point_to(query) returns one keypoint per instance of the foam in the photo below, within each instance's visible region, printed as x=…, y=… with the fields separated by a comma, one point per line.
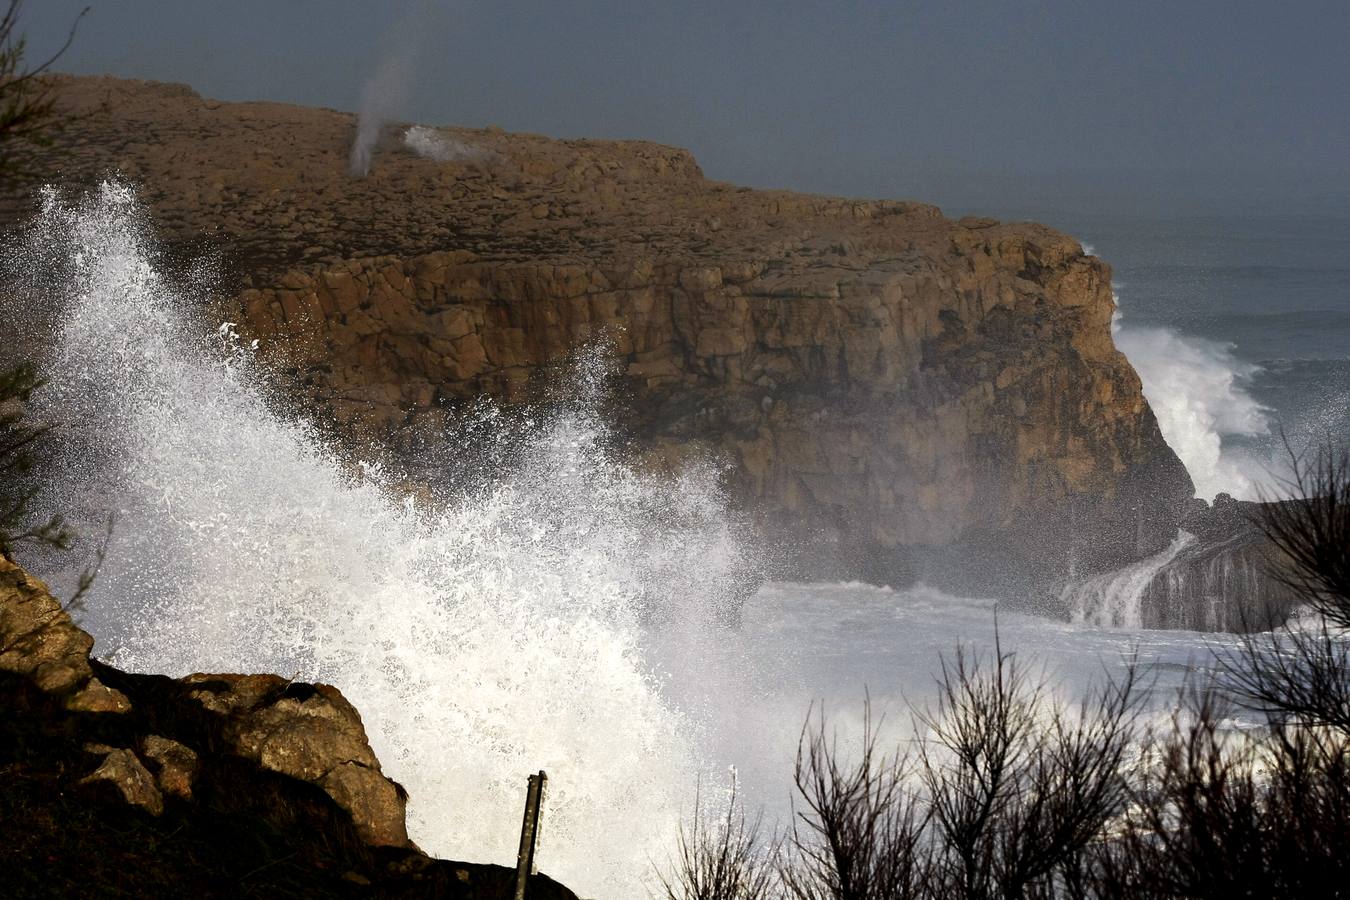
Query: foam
x=498, y=628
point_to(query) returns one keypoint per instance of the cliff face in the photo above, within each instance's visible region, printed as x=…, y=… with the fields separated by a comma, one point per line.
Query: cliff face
x=881, y=379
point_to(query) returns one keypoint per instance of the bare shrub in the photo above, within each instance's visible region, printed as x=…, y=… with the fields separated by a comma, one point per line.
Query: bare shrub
x=727, y=859
x=1312, y=531
x=27, y=101
x=1019, y=783
x=22, y=440
x=1260, y=811
x=1301, y=673
x=1222, y=813
x=861, y=833
x=1002, y=799
x=1013, y=794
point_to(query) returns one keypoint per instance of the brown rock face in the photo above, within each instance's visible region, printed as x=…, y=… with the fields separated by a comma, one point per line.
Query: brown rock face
x=123, y=770
x=879, y=377
x=176, y=765
x=39, y=642
x=211, y=785
x=307, y=732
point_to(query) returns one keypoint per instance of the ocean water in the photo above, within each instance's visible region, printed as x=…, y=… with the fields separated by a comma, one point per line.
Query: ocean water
x=561, y=610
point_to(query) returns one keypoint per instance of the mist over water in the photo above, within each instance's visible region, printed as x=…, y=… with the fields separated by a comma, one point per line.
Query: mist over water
x=1239, y=326
x=483, y=634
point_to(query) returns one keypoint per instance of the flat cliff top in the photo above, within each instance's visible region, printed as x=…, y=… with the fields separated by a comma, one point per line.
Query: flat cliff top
x=269, y=183
x=873, y=371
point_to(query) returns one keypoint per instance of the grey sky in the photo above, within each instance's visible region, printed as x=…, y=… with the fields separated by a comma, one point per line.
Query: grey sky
x=969, y=103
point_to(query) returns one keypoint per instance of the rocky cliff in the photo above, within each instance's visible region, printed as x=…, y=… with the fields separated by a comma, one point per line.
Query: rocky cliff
x=885, y=383
x=113, y=784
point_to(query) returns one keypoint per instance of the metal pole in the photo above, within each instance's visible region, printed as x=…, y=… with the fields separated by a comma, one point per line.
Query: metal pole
x=529, y=832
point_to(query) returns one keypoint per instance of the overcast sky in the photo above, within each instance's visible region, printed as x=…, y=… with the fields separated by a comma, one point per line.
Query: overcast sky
x=1001, y=104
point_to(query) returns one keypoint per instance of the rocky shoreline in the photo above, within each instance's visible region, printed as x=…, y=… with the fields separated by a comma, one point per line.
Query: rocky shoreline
x=119, y=784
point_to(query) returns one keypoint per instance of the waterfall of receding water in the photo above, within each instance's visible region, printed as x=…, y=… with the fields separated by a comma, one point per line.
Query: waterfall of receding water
x=1116, y=599
x=483, y=635
x=1225, y=588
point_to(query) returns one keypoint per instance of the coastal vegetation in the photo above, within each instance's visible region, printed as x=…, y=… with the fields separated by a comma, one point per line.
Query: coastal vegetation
x=27, y=100
x=27, y=116
x=21, y=445
x=1243, y=792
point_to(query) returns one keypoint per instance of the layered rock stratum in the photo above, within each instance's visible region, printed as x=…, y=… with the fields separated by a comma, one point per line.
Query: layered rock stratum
x=886, y=385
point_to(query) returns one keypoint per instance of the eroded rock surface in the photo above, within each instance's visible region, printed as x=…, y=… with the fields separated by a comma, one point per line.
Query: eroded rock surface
x=178, y=787
x=1221, y=574
x=878, y=376
x=39, y=642
x=1227, y=579
x=311, y=733
x=307, y=732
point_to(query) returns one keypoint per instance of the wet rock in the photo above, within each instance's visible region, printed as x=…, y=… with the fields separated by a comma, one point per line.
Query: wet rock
x=1227, y=579
x=1220, y=574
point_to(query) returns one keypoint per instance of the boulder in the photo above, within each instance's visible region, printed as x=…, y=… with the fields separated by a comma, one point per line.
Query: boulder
x=40, y=642
x=175, y=764
x=311, y=733
x=124, y=771
x=306, y=732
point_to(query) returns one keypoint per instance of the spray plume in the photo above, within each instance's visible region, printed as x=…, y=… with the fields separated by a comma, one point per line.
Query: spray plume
x=384, y=96
x=495, y=629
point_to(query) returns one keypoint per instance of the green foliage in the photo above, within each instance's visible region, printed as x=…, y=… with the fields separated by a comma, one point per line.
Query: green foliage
x=21, y=443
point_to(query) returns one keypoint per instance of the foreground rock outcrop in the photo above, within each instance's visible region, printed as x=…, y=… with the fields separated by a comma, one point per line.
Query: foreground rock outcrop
x=888, y=386
x=219, y=785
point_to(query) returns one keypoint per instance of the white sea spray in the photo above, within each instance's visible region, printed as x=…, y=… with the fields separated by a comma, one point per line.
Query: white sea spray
x=483, y=634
